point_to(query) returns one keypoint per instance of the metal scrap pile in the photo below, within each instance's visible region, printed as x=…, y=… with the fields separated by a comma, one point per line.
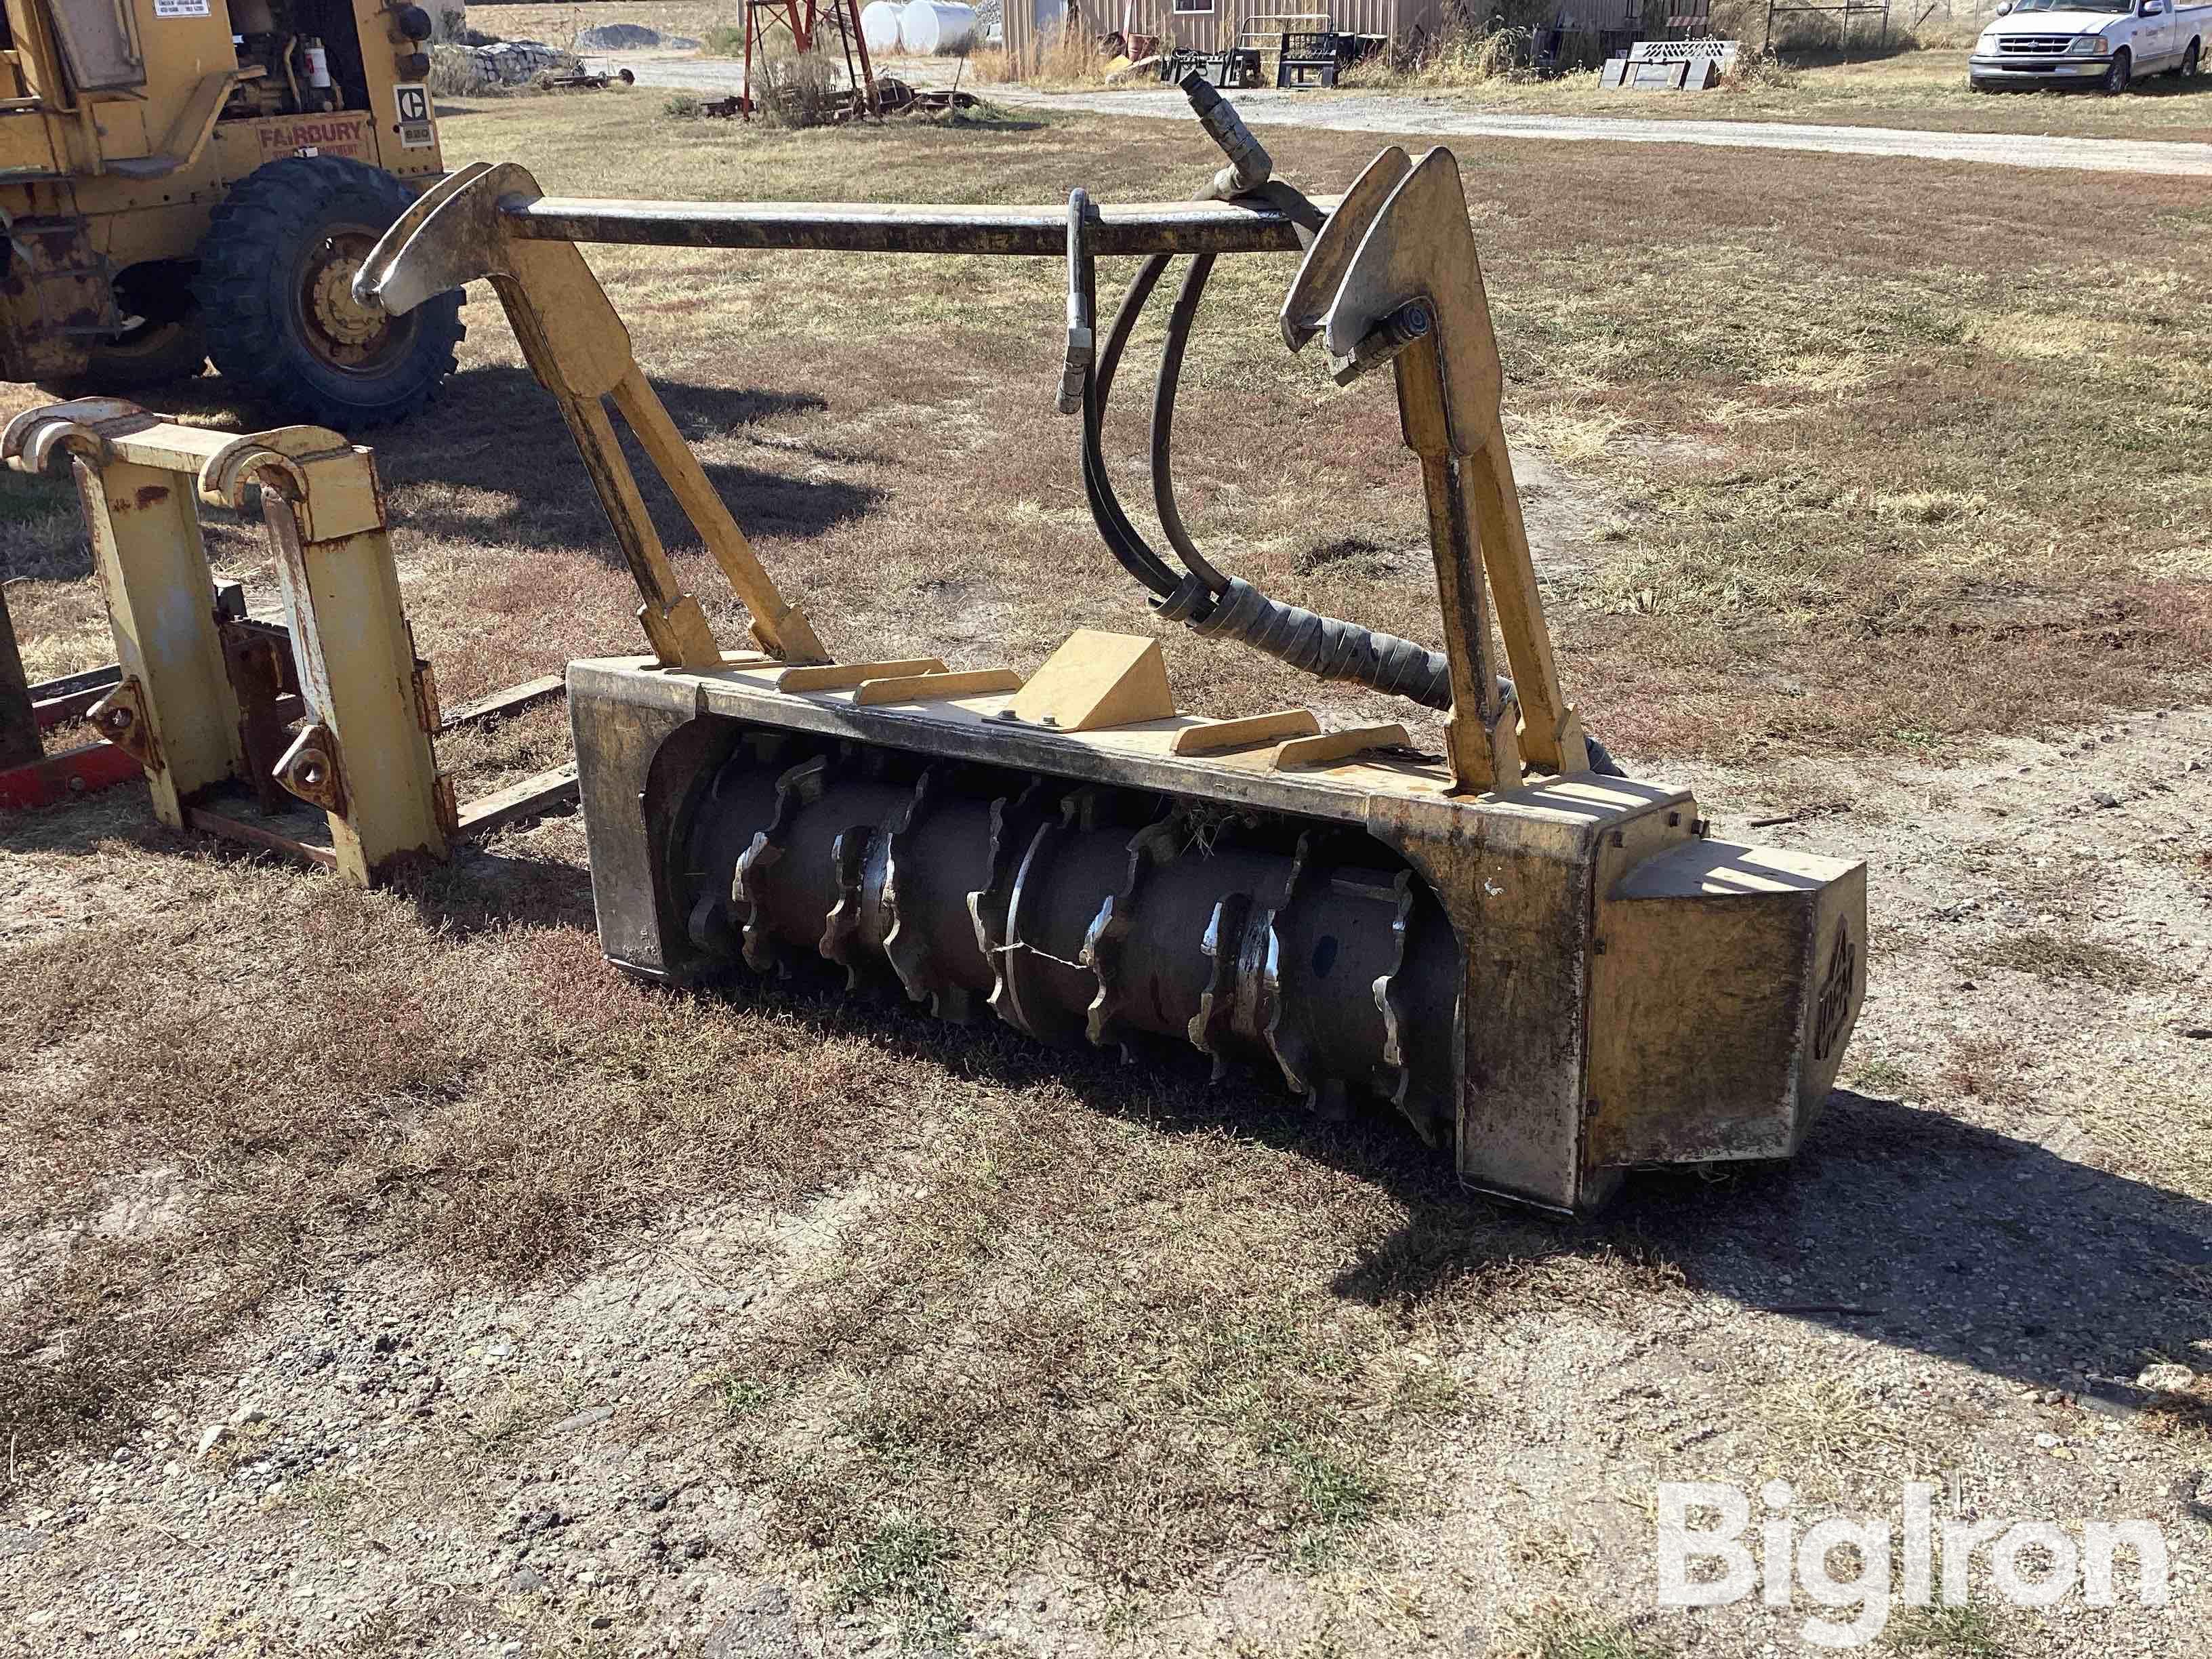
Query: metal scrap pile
x=511, y=62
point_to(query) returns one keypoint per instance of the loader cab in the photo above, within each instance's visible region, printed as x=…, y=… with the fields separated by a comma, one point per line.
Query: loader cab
x=191, y=180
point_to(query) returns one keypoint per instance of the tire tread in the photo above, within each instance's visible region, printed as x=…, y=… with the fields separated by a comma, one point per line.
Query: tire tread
x=253, y=229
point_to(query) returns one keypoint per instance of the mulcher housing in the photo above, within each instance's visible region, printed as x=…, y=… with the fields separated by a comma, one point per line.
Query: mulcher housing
x=1554, y=983
x=1548, y=970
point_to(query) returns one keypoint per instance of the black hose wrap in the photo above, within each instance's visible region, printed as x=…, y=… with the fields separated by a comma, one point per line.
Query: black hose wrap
x=1327, y=648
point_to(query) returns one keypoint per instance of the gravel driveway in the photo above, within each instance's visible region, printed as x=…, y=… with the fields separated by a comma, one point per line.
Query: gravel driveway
x=1383, y=112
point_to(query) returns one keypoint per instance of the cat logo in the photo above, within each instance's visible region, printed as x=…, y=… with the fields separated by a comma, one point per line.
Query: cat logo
x=412, y=100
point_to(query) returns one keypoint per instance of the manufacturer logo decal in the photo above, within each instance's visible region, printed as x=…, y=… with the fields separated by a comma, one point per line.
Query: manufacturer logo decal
x=412, y=100
x=1835, y=1005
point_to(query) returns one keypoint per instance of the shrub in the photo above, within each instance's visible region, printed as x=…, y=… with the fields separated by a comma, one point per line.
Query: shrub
x=1755, y=70
x=452, y=73
x=796, y=90
x=1475, y=44
x=1068, y=58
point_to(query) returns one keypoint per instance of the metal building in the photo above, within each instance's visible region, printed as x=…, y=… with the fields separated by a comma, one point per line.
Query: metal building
x=1217, y=25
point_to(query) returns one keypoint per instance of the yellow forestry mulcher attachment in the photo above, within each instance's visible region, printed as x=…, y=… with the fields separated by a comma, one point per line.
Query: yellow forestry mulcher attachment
x=1550, y=970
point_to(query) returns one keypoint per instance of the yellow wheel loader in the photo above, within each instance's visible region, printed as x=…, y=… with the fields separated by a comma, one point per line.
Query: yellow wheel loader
x=184, y=180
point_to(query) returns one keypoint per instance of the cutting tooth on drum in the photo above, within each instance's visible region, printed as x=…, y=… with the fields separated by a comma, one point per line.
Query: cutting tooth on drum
x=1104, y=945
x=1015, y=822
x=1209, y=1029
x=849, y=856
x=1393, y=1078
x=906, y=948
x=748, y=893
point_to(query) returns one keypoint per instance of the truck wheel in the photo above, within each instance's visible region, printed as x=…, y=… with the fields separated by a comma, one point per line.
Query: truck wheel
x=2116, y=78
x=2188, y=69
x=162, y=341
x=275, y=290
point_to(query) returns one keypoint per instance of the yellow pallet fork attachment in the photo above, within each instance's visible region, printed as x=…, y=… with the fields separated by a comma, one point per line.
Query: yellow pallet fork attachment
x=312, y=734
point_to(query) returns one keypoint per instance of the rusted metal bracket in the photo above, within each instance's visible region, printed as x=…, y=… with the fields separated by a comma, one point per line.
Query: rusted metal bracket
x=209, y=698
x=120, y=717
x=310, y=770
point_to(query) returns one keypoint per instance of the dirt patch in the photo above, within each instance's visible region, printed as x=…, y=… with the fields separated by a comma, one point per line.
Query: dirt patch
x=1070, y=1359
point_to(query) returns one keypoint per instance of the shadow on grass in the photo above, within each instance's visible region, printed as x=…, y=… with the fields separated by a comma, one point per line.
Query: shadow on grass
x=484, y=890
x=1898, y=1223
x=90, y=823
x=1809, y=51
x=494, y=431
x=986, y=116
x=2156, y=85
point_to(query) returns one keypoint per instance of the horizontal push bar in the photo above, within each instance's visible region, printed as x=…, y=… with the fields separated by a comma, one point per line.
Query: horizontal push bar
x=1133, y=228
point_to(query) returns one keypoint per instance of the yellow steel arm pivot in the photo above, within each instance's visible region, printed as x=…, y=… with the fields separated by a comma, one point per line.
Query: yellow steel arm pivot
x=580, y=351
x=1394, y=278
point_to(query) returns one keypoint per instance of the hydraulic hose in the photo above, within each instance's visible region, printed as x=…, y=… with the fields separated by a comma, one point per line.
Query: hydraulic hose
x=1096, y=377
x=1164, y=402
x=1216, y=605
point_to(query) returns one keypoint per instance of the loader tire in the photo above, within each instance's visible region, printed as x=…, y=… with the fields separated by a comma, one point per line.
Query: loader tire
x=164, y=340
x=275, y=297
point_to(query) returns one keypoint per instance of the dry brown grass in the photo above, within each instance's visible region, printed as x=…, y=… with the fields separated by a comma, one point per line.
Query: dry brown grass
x=1458, y=55
x=1556, y=1631
x=1925, y=87
x=2063, y=957
x=1070, y=59
x=559, y=21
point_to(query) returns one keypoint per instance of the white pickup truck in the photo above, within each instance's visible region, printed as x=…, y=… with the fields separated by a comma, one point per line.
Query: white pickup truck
x=2100, y=43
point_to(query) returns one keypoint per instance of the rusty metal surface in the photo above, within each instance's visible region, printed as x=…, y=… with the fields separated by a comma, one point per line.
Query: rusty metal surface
x=56, y=298
x=874, y=227
x=256, y=658
x=120, y=717
x=52, y=779
x=211, y=822
x=309, y=768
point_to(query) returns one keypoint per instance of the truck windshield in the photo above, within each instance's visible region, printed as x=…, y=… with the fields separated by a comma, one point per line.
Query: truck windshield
x=2114, y=7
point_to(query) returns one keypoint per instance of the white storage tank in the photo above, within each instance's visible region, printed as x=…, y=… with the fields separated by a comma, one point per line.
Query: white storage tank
x=879, y=25
x=928, y=26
